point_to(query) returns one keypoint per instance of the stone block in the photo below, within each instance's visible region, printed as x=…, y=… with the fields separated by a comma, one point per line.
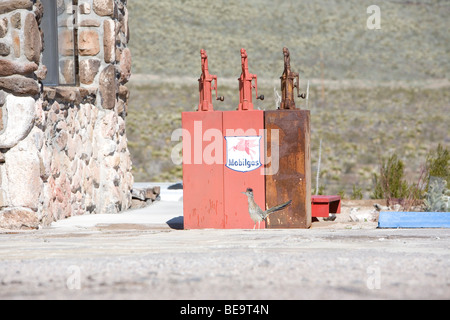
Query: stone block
x=23, y=183
x=7, y=6
x=19, y=85
x=18, y=218
x=103, y=7
x=107, y=87
x=125, y=66
x=109, y=36
x=10, y=67
x=67, y=68
x=90, y=23
x=20, y=121
x=88, y=43
x=4, y=49
x=88, y=70
x=16, y=20
x=85, y=8
x=65, y=41
x=3, y=27
x=33, y=41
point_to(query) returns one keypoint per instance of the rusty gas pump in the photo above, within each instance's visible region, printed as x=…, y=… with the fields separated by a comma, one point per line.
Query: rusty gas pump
x=205, y=86
x=245, y=85
x=291, y=179
x=288, y=84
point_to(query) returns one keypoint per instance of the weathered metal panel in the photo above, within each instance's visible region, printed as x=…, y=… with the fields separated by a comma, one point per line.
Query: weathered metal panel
x=242, y=124
x=292, y=181
x=202, y=177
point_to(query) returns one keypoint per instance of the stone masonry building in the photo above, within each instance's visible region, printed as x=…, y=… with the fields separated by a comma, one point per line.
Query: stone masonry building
x=63, y=103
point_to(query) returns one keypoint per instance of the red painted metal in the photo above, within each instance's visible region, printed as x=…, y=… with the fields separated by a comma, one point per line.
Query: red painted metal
x=242, y=124
x=202, y=176
x=322, y=206
x=202, y=182
x=205, y=86
x=245, y=85
x=212, y=195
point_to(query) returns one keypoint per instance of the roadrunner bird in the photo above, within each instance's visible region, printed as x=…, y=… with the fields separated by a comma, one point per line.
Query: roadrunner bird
x=256, y=212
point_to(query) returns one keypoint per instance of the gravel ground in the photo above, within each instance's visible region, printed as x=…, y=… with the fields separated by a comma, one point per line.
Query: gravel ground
x=127, y=261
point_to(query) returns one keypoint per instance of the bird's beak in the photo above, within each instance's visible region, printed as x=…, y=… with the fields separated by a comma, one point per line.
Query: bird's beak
x=243, y=192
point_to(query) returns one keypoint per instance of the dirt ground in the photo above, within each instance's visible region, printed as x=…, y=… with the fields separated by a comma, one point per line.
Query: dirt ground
x=332, y=260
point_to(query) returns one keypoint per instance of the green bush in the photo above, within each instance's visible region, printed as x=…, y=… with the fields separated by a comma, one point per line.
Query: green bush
x=438, y=179
x=438, y=164
x=356, y=193
x=390, y=183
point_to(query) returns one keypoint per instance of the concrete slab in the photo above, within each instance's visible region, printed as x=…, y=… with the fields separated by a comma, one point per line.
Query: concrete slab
x=166, y=213
x=160, y=214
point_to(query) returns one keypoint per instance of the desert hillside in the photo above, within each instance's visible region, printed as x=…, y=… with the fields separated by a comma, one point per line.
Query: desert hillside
x=372, y=92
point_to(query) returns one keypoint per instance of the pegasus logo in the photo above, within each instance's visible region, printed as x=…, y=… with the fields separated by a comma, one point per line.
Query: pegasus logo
x=251, y=147
x=243, y=153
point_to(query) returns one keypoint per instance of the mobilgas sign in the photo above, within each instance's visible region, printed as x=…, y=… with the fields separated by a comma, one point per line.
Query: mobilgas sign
x=243, y=153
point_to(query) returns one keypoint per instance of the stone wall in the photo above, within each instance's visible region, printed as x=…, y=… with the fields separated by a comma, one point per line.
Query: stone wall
x=63, y=150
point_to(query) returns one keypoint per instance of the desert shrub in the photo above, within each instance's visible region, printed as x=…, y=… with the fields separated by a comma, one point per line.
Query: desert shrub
x=431, y=186
x=356, y=193
x=438, y=180
x=438, y=164
x=390, y=183
x=341, y=193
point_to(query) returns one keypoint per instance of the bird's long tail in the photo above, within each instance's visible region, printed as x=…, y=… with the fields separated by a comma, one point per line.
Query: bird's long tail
x=276, y=208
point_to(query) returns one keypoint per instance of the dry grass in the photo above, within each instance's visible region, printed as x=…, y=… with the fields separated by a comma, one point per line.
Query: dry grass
x=413, y=43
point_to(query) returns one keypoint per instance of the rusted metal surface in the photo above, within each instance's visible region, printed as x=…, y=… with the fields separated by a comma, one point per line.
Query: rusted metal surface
x=289, y=81
x=245, y=85
x=205, y=86
x=292, y=181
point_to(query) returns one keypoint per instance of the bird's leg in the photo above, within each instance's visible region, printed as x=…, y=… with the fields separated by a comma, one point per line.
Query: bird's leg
x=254, y=226
x=259, y=225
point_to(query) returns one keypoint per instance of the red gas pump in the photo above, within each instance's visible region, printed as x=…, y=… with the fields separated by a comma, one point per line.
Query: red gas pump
x=223, y=154
x=243, y=153
x=203, y=177
x=205, y=85
x=245, y=85
x=212, y=190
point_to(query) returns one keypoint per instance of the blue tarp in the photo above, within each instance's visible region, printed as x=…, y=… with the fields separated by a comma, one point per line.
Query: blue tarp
x=394, y=219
